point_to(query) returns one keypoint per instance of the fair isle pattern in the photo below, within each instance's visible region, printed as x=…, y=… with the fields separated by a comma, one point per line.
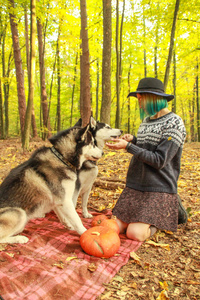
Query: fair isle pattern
x=170, y=127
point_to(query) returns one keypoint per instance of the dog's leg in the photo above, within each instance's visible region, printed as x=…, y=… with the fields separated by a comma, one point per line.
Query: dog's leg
x=66, y=211
x=12, y=221
x=75, y=196
x=69, y=217
x=87, y=180
x=85, y=197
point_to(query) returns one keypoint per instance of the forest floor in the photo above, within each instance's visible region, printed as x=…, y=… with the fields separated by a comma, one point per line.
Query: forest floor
x=168, y=265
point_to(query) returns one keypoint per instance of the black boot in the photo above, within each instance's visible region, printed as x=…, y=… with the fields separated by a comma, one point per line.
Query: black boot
x=182, y=213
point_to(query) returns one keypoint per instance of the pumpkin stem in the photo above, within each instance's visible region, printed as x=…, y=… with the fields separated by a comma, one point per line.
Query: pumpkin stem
x=95, y=233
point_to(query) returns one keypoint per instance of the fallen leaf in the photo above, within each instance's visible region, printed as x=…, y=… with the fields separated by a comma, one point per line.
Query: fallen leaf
x=133, y=285
x=192, y=282
x=10, y=254
x=59, y=265
x=163, y=296
x=92, y=267
x=134, y=256
x=165, y=246
x=71, y=258
x=164, y=285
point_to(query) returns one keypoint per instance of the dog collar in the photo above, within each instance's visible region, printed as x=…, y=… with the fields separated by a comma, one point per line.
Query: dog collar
x=60, y=156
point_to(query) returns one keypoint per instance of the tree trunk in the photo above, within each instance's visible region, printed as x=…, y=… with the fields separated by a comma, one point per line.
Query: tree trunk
x=19, y=70
x=174, y=84
x=73, y=88
x=85, y=105
x=58, y=80
x=198, y=105
x=129, y=104
x=33, y=121
x=171, y=46
x=44, y=102
x=26, y=135
x=1, y=112
x=117, y=120
x=106, y=62
x=144, y=43
x=97, y=91
x=156, y=47
x=6, y=85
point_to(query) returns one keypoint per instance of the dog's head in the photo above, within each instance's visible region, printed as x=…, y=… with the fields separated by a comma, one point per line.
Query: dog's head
x=86, y=142
x=101, y=132
x=77, y=144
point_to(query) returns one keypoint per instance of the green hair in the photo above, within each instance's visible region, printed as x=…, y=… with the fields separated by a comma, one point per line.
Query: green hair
x=152, y=105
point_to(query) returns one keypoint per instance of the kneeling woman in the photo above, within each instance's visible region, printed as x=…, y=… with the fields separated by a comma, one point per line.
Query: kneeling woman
x=150, y=200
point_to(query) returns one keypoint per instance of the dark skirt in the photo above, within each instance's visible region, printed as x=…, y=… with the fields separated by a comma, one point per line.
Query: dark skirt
x=157, y=209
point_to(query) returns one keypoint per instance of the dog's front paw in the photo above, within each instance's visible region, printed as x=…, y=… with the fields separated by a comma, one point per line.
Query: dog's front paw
x=20, y=239
x=87, y=215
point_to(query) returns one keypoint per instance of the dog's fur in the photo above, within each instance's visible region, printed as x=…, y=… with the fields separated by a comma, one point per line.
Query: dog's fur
x=88, y=172
x=46, y=182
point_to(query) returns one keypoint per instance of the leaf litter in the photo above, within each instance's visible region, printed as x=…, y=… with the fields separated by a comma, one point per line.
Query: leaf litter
x=167, y=266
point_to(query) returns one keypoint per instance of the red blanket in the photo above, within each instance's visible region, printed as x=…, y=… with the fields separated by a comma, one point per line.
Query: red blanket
x=52, y=264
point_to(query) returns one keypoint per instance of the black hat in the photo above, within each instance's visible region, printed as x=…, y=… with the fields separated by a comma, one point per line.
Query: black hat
x=152, y=86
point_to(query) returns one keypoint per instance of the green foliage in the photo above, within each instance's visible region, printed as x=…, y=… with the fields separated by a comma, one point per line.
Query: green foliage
x=147, y=25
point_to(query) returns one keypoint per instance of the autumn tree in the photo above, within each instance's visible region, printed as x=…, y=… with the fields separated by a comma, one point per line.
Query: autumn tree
x=85, y=105
x=18, y=67
x=171, y=46
x=25, y=140
x=106, y=62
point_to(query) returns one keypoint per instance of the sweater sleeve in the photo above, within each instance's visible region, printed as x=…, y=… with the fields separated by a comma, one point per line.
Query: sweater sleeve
x=158, y=159
x=173, y=136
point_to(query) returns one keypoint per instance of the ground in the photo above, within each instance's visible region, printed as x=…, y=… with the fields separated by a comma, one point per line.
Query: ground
x=167, y=266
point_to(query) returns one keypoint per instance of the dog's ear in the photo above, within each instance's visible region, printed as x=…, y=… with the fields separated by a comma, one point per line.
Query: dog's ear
x=92, y=123
x=79, y=123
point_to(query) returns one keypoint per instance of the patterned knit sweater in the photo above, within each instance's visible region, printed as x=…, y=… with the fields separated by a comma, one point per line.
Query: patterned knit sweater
x=155, y=165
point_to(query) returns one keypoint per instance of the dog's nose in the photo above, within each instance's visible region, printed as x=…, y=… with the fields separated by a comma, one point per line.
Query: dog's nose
x=121, y=131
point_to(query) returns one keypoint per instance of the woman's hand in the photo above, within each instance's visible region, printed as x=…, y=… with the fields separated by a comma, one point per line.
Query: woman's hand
x=127, y=137
x=120, y=144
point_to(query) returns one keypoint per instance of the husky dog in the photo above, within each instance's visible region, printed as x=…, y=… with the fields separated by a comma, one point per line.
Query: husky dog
x=46, y=182
x=89, y=170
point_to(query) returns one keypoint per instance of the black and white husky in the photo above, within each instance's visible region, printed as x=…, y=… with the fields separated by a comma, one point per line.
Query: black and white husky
x=46, y=182
x=89, y=170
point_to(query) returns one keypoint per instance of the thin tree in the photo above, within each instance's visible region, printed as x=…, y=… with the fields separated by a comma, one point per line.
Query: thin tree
x=85, y=105
x=144, y=43
x=58, y=82
x=197, y=101
x=73, y=88
x=171, y=46
x=117, y=120
x=43, y=92
x=18, y=67
x=174, y=83
x=25, y=141
x=106, y=62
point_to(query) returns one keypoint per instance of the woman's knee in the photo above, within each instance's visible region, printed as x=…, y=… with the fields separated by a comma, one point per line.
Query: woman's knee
x=137, y=232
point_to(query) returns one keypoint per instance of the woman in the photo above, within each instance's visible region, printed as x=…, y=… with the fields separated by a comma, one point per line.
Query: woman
x=150, y=201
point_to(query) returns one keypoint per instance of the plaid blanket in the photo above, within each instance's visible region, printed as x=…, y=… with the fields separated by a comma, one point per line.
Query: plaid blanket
x=52, y=264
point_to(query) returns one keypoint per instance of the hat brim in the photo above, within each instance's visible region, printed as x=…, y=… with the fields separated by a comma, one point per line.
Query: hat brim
x=166, y=96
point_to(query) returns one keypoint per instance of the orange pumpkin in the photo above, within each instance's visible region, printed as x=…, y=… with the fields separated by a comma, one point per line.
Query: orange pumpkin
x=111, y=224
x=98, y=219
x=100, y=241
